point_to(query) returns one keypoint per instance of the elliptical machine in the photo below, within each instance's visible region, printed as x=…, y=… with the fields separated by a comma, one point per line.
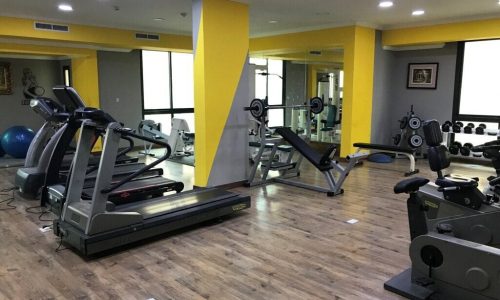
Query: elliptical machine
x=453, y=256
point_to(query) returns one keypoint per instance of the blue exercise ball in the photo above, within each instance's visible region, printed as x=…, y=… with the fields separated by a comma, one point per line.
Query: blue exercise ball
x=16, y=140
x=2, y=153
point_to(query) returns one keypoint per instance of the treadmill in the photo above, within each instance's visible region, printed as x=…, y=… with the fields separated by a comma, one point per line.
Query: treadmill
x=30, y=178
x=149, y=182
x=93, y=226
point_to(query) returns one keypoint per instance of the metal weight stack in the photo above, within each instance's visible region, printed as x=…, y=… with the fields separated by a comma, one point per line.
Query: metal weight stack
x=410, y=135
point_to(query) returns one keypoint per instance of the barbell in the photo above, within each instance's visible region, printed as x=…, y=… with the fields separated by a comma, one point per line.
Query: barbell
x=258, y=107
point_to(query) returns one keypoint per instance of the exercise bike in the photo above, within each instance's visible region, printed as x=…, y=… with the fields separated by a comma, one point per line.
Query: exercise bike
x=491, y=150
x=454, y=253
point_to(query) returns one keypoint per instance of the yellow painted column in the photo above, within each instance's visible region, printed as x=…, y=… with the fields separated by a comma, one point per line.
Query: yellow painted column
x=220, y=42
x=359, y=59
x=312, y=78
x=85, y=78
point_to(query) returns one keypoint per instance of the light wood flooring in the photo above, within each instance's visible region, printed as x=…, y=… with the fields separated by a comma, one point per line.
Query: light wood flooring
x=292, y=244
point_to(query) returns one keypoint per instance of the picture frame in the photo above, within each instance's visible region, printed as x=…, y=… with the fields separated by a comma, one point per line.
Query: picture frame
x=422, y=75
x=5, y=79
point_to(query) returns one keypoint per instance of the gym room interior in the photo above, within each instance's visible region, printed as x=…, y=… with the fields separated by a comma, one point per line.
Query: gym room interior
x=253, y=149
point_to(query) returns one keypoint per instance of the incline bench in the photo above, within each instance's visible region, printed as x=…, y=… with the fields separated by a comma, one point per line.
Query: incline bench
x=410, y=153
x=322, y=162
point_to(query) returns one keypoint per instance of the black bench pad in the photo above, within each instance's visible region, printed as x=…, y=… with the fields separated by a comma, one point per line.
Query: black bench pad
x=384, y=148
x=317, y=159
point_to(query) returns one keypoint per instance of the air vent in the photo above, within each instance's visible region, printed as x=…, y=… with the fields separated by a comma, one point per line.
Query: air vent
x=315, y=52
x=51, y=27
x=147, y=36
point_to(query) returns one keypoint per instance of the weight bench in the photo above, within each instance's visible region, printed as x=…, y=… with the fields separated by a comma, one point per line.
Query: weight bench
x=322, y=162
x=410, y=153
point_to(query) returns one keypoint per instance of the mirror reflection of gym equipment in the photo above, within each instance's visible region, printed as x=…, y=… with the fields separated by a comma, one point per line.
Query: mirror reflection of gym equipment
x=328, y=123
x=180, y=139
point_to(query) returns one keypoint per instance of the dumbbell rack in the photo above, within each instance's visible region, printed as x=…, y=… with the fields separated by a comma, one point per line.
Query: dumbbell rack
x=448, y=138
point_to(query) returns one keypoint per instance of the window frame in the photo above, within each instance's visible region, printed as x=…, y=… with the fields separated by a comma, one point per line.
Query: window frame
x=456, y=116
x=162, y=111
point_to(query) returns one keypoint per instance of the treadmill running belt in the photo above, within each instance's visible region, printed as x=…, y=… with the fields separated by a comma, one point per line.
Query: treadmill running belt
x=170, y=204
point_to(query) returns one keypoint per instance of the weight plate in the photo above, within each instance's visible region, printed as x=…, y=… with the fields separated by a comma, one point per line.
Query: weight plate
x=403, y=122
x=414, y=123
x=397, y=139
x=257, y=108
x=316, y=105
x=415, y=141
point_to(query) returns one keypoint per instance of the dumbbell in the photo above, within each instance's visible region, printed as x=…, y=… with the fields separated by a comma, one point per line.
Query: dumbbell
x=455, y=148
x=480, y=128
x=465, y=150
x=457, y=127
x=468, y=128
x=446, y=126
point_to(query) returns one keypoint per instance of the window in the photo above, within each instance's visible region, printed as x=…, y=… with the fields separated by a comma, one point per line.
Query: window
x=182, y=80
x=156, y=79
x=477, y=92
x=168, y=87
x=67, y=75
x=269, y=83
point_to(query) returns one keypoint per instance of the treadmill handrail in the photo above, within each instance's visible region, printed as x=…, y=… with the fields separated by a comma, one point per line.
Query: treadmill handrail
x=122, y=152
x=127, y=132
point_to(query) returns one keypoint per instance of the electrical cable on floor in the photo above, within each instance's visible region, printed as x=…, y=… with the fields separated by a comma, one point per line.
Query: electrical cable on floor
x=11, y=192
x=59, y=249
x=41, y=212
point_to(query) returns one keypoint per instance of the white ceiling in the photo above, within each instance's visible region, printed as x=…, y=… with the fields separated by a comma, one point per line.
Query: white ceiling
x=292, y=15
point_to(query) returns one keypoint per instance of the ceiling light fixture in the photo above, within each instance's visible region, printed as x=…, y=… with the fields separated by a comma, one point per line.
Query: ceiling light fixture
x=65, y=7
x=159, y=19
x=273, y=22
x=385, y=4
x=418, y=12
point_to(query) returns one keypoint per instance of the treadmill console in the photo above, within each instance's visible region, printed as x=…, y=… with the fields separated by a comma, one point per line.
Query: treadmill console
x=68, y=97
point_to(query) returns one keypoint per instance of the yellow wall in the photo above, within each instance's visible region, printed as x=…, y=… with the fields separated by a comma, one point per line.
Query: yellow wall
x=221, y=53
x=358, y=89
x=359, y=55
x=452, y=32
x=92, y=35
x=84, y=74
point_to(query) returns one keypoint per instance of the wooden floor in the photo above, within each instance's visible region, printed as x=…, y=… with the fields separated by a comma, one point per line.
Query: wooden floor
x=292, y=244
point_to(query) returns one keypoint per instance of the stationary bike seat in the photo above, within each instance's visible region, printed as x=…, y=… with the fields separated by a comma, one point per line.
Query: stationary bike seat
x=410, y=185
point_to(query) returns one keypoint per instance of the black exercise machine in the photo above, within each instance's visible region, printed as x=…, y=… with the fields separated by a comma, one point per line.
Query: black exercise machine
x=152, y=183
x=454, y=234
x=92, y=226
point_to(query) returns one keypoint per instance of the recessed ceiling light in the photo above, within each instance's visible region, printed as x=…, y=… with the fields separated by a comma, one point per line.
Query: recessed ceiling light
x=159, y=19
x=385, y=4
x=65, y=7
x=418, y=12
x=273, y=22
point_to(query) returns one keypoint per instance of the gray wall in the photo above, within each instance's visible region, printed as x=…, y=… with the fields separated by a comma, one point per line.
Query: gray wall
x=382, y=99
x=120, y=85
x=392, y=99
x=295, y=86
x=12, y=112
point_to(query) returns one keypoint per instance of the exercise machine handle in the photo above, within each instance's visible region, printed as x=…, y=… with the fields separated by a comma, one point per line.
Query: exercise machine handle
x=129, y=132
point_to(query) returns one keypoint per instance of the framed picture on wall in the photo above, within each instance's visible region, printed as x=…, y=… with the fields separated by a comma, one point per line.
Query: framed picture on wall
x=5, y=79
x=422, y=76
